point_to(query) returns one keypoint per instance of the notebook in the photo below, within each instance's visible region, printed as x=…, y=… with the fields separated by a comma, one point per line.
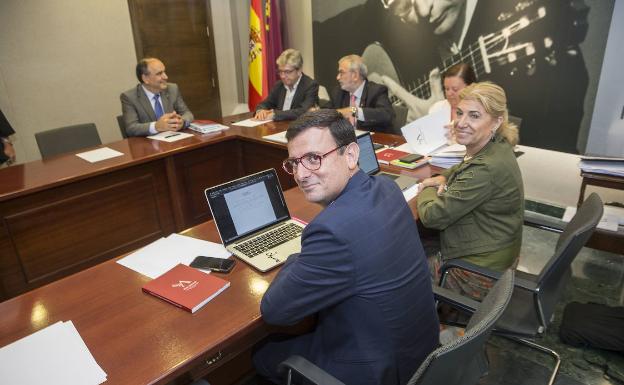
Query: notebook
x=253, y=221
x=369, y=164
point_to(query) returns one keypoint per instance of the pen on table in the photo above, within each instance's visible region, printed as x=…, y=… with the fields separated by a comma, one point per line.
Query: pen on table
x=169, y=136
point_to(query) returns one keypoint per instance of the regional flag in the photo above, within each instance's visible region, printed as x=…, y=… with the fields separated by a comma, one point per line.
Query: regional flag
x=258, y=70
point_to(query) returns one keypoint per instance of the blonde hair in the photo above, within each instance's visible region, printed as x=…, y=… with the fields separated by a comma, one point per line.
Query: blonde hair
x=290, y=57
x=494, y=101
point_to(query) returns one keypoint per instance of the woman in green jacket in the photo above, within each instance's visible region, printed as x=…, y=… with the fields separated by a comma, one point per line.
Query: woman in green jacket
x=477, y=205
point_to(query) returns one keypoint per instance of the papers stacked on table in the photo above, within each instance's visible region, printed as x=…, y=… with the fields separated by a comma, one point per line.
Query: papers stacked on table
x=165, y=253
x=602, y=165
x=448, y=156
x=207, y=126
x=53, y=355
x=99, y=154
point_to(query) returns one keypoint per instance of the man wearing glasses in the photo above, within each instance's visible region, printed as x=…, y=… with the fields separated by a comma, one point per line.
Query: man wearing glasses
x=361, y=271
x=293, y=94
x=363, y=102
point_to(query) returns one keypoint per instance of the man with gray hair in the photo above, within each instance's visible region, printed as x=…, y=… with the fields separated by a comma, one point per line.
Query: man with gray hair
x=363, y=102
x=293, y=94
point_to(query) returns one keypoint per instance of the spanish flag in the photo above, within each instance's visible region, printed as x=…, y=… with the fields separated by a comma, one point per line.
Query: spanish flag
x=258, y=69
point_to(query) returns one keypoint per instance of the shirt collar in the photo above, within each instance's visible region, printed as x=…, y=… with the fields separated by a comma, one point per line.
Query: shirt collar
x=294, y=88
x=358, y=92
x=148, y=93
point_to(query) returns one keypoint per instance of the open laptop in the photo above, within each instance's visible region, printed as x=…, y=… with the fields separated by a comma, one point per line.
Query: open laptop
x=368, y=163
x=253, y=221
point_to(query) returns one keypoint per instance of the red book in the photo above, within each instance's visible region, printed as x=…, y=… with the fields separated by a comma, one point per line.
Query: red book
x=186, y=287
x=390, y=154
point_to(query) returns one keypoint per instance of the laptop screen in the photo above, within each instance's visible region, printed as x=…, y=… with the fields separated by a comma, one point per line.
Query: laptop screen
x=368, y=158
x=246, y=205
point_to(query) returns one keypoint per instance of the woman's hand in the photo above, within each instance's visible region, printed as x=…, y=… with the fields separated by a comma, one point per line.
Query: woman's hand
x=436, y=181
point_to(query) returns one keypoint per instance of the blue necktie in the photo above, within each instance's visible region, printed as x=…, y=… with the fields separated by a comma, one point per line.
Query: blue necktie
x=158, y=107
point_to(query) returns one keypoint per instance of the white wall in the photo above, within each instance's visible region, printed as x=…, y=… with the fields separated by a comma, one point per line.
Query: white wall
x=606, y=135
x=63, y=62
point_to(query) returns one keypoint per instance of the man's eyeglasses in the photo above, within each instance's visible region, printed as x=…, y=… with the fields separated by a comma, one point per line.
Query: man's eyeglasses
x=310, y=161
x=286, y=72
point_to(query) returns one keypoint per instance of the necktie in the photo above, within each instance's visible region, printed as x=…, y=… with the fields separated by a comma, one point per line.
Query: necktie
x=158, y=111
x=352, y=119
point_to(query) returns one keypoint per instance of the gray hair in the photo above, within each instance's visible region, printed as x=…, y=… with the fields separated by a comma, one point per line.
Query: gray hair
x=290, y=57
x=355, y=64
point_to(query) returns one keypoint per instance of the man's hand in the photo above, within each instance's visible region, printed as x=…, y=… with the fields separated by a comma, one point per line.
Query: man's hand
x=9, y=151
x=345, y=112
x=170, y=121
x=417, y=107
x=263, y=115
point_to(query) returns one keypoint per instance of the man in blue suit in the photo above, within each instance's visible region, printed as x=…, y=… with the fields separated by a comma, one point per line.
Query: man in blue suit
x=362, y=270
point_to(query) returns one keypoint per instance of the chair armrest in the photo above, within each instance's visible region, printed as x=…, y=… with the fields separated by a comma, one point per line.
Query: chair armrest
x=471, y=267
x=308, y=370
x=454, y=299
x=485, y=272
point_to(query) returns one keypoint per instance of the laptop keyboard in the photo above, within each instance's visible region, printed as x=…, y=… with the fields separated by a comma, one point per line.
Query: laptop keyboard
x=269, y=240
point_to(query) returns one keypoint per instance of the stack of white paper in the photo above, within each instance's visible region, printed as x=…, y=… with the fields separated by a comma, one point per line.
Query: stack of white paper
x=251, y=122
x=448, y=156
x=614, y=166
x=207, y=127
x=54, y=355
x=162, y=255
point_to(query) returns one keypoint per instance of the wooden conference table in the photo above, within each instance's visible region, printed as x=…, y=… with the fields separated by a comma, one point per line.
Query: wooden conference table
x=139, y=339
x=62, y=215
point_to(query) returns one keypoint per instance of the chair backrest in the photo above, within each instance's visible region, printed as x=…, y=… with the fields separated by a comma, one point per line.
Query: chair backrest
x=122, y=126
x=555, y=275
x=400, y=118
x=462, y=360
x=67, y=139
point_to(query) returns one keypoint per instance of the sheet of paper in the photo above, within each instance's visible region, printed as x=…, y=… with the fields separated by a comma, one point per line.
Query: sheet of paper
x=251, y=123
x=607, y=222
x=411, y=192
x=56, y=354
x=280, y=137
x=99, y=154
x=427, y=134
x=170, y=136
x=162, y=255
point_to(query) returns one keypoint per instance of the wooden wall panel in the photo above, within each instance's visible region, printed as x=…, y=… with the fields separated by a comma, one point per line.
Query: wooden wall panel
x=53, y=233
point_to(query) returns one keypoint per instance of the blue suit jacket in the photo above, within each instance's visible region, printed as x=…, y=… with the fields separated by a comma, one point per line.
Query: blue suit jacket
x=363, y=271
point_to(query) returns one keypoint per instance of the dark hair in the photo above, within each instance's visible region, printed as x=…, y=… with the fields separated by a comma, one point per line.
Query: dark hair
x=463, y=71
x=341, y=130
x=141, y=68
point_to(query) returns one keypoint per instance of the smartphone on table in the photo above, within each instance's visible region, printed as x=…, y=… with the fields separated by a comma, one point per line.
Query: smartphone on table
x=411, y=158
x=218, y=265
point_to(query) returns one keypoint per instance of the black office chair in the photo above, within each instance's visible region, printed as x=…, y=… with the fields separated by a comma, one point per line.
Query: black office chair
x=534, y=299
x=122, y=126
x=67, y=139
x=400, y=118
x=460, y=362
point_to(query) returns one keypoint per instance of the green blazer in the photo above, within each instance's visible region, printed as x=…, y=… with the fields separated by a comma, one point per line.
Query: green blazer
x=481, y=214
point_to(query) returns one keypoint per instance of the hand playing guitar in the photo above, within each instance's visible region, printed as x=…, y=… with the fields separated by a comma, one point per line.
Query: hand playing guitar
x=417, y=107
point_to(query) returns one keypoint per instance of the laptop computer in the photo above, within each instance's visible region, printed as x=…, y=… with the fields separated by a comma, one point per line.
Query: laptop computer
x=253, y=221
x=369, y=164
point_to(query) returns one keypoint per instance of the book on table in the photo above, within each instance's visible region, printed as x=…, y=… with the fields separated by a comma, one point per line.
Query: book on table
x=389, y=154
x=186, y=287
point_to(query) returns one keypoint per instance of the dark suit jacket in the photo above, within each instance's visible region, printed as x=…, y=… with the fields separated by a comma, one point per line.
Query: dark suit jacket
x=374, y=103
x=305, y=97
x=138, y=112
x=363, y=271
x=5, y=131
